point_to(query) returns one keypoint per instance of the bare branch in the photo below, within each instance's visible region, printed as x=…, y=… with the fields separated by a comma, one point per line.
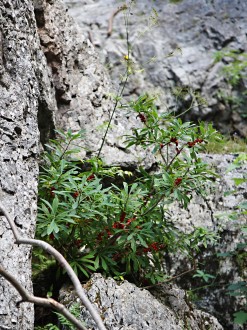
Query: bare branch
x=63, y=263
x=49, y=303
x=114, y=13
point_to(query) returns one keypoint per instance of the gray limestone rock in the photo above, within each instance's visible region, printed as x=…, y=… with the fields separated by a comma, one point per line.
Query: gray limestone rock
x=127, y=307
x=50, y=76
x=82, y=87
x=27, y=103
x=192, y=30
x=19, y=144
x=212, y=212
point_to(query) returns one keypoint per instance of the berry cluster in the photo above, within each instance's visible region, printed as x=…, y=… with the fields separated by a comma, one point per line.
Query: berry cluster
x=193, y=143
x=155, y=246
x=177, y=181
x=142, y=118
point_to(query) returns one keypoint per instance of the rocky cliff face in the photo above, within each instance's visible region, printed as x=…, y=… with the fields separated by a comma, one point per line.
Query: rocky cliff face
x=213, y=212
x=127, y=307
x=51, y=77
x=21, y=66
x=192, y=31
x=82, y=87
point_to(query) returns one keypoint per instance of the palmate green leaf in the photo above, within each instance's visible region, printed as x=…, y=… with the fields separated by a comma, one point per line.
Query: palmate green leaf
x=82, y=269
x=88, y=257
x=48, y=204
x=96, y=263
x=136, y=263
x=130, y=236
x=240, y=286
x=143, y=243
x=155, y=149
x=133, y=245
x=86, y=262
x=239, y=181
x=43, y=209
x=240, y=317
x=103, y=264
x=52, y=227
x=55, y=204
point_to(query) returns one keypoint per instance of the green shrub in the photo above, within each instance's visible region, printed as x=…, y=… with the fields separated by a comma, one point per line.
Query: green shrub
x=125, y=228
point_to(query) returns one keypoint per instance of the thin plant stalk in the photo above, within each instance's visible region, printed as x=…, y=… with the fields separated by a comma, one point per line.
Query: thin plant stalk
x=123, y=81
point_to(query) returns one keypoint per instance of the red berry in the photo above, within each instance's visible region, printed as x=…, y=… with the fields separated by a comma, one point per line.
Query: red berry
x=118, y=225
x=52, y=237
x=109, y=233
x=52, y=191
x=177, y=181
x=76, y=194
x=174, y=140
x=91, y=177
x=142, y=118
x=191, y=144
x=100, y=236
x=130, y=220
x=122, y=216
x=78, y=242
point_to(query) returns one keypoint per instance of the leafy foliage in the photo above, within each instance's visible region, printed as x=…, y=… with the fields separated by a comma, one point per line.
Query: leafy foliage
x=239, y=289
x=124, y=228
x=49, y=326
x=227, y=145
x=74, y=310
x=235, y=69
x=204, y=276
x=235, y=72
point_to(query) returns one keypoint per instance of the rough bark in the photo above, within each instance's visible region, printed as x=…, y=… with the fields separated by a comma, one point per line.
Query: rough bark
x=23, y=71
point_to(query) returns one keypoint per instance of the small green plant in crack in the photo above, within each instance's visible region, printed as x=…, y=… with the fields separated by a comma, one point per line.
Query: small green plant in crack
x=125, y=228
x=204, y=276
x=235, y=73
x=74, y=309
x=239, y=289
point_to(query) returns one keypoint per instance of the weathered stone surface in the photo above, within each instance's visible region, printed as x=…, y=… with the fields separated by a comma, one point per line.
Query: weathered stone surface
x=127, y=307
x=74, y=87
x=19, y=140
x=205, y=213
x=198, y=28
x=82, y=86
x=26, y=96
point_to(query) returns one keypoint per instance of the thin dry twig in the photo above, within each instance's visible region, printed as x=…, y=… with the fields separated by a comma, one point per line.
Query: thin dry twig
x=172, y=278
x=114, y=13
x=45, y=302
x=63, y=263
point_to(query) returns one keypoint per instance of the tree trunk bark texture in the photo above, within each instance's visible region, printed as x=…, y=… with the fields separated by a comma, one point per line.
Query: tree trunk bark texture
x=23, y=70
